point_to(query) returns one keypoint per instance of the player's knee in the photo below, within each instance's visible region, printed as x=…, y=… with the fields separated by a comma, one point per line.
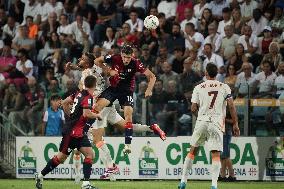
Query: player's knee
x=88, y=160
x=57, y=160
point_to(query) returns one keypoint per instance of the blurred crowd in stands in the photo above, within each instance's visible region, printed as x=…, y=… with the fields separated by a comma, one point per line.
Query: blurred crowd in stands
x=244, y=38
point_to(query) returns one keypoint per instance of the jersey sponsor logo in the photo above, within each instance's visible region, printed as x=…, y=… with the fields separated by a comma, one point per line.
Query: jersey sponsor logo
x=129, y=70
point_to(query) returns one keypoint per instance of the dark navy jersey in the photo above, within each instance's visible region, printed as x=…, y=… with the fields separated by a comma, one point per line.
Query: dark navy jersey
x=76, y=122
x=125, y=80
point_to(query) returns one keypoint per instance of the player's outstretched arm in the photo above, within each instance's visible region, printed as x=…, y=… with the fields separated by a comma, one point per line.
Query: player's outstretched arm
x=234, y=116
x=151, y=82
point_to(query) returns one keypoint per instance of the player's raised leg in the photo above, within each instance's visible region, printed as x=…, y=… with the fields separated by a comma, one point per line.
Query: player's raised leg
x=51, y=164
x=128, y=111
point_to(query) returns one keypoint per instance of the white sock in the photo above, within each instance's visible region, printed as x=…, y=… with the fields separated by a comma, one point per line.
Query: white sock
x=215, y=171
x=186, y=166
x=85, y=183
x=138, y=128
x=104, y=151
x=40, y=176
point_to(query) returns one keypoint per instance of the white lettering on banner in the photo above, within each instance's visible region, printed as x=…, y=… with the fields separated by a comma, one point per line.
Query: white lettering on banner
x=152, y=158
x=146, y=165
x=25, y=164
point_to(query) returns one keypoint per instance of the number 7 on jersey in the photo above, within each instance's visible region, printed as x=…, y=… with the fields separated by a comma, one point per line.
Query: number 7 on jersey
x=214, y=93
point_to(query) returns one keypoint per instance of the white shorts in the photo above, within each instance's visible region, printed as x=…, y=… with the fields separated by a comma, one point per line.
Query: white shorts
x=109, y=115
x=210, y=132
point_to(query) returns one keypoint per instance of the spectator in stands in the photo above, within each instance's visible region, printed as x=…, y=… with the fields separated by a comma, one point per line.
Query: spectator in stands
x=6, y=60
x=67, y=76
x=237, y=21
x=264, y=42
x=258, y=22
x=139, y=5
x=226, y=15
x=16, y=10
x=157, y=100
x=231, y=77
x=64, y=27
x=177, y=64
x=274, y=56
x=175, y=39
x=168, y=7
x=22, y=41
x=30, y=9
x=139, y=98
x=188, y=17
x=81, y=32
x=57, y=7
x=149, y=39
x=214, y=59
x=214, y=38
x=14, y=100
x=167, y=119
x=199, y=8
x=153, y=11
x=193, y=40
x=188, y=78
x=88, y=12
x=43, y=8
x=24, y=64
x=53, y=118
x=146, y=58
x=125, y=37
x=265, y=81
x=248, y=40
x=10, y=29
x=107, y=16
x=245, y=81
x=247, y=9
x=165, y=27
x=182, y=11
x=46, y=80
x=279, y=81
x=168, y=74
x=197, y=66
x=229, y=43
x=32, y=27
x=163, y=56
x=217, y=6
x=239, y=57
x=51, y=25
x=53, y=48
x=135, y=23
x=277, y=24
x=206, y=19
x=54, y=89
x=110, y=38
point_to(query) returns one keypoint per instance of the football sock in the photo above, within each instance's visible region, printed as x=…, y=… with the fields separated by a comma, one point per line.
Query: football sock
x=186, y=166
x=138, y=128
x=128, y=132
x=105, y=154
x=215, y=170
x=87, y=168
x=77, y=163
x=51, y=164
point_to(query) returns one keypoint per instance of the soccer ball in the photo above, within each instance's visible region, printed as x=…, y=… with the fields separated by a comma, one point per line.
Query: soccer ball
x=151, y=22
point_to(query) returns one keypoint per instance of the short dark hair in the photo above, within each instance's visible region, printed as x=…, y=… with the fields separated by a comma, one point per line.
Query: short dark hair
x=226, y=10
x=161, y=14
x=24, y=52
x=32, y=18
x=127, y=49
x=266, y=62
x=212, y=70
x=208, y=44
x=91, y=58
x=176, y=24
x=55, y=97
x=190, y=25
x=90, y=81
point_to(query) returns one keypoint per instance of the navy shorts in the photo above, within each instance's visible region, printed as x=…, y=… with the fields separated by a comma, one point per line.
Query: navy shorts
x=226, y=150
x=125, y=98
x=68, y=143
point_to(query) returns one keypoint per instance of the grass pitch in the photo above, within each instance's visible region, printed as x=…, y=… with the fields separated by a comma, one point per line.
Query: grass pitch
x=69, y=184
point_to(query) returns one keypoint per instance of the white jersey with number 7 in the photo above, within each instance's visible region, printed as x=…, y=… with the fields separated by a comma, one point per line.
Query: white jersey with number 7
x=211, y=97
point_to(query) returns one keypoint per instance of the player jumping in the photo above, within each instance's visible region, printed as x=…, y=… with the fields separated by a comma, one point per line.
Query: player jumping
x=74, y=134
x=109, y=114
x=211, y=98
